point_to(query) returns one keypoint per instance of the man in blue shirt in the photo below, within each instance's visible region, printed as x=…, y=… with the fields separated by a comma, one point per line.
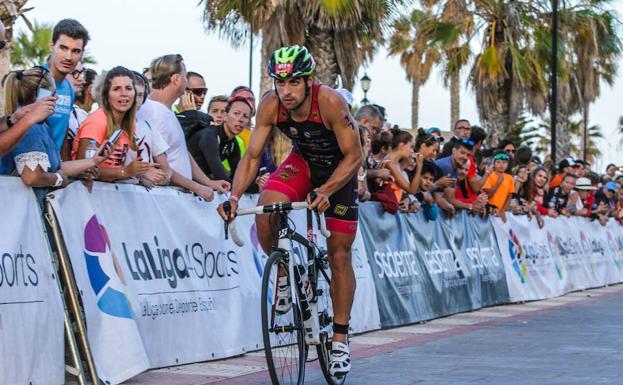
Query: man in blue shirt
x=69, y=38
x=460, y=154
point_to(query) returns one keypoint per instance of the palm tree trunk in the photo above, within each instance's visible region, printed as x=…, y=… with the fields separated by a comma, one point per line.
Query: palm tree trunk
x=585, y=137
x=455, y=98
x=9, y=10
x=415, y=103
x=320, y=43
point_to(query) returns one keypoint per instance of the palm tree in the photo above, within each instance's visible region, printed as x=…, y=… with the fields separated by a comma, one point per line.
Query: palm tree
x=412, y=40
x=538, y=138
x=342, y=35
x=10, y=12
x=508, y=74
x=590, y=31
x=31, y=49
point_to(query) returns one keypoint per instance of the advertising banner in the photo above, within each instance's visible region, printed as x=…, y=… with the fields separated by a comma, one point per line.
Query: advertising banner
x=567, y=254
x=426, y=269
x=178, y=291
x=32, y=342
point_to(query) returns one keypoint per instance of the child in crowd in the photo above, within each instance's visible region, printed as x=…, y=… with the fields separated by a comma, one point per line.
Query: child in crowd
x=499, y=185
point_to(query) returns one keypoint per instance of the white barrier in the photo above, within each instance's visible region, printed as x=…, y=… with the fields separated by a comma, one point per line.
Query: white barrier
x=159, y=283
x=567, y=254
x=31, y=311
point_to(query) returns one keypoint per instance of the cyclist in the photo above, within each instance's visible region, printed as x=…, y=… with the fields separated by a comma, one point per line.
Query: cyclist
x=325, y=158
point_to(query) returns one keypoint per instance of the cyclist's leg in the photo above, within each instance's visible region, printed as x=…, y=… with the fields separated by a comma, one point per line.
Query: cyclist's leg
x=289, y=183
x=267, y=224
x=342, y=279
x=342, y=222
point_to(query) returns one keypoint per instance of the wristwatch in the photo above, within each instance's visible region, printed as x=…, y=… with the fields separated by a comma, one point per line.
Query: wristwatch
x=59, y=180
x=9, y=122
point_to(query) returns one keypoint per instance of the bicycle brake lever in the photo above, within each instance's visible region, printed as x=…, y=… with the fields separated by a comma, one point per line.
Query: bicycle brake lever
x=227, y=209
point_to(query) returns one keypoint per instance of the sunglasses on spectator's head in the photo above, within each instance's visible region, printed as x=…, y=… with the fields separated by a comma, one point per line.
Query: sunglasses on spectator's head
x=501, y=156
x=468, y=142
x=198, y=91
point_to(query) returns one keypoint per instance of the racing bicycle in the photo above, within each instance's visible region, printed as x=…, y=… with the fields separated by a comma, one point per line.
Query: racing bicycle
x=295, y=302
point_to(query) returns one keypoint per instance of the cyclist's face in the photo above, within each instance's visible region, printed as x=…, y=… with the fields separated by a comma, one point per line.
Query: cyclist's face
x=291, y=91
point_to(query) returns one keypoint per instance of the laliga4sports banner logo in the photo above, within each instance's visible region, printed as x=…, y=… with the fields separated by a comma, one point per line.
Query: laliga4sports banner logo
x=105, y=274
x=518, y=256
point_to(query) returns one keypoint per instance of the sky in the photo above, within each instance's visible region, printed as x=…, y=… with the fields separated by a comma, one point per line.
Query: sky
x=133, y=32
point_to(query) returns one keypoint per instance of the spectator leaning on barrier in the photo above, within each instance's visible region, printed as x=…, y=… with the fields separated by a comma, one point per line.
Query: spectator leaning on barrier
x=69, y=39
x=150, y=142
x=605, y=198
x=449, y=171
x=216, y=109
x=582, y=198
x=37, y=158
x=215, y=148
x=500, y=185
x=517, y=205
x=462, y=196
x=401, y=150
x=118, y=110
x=558, y=197
x=532, y=194
x=169, y=83
x=425, y=193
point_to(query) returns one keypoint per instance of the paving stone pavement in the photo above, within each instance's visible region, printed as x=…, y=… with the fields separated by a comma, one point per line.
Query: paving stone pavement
x=575, y=339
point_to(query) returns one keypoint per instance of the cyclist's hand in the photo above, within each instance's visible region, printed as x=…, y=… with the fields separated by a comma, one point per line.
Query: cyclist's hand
x=321, y=203
x=232, y=213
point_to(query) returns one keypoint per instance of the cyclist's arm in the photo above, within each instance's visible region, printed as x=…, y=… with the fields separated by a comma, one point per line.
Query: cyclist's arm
x=247, y=168
x=337, y=116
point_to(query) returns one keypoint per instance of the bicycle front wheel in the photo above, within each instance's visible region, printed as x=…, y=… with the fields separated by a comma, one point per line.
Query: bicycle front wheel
x=282, y=324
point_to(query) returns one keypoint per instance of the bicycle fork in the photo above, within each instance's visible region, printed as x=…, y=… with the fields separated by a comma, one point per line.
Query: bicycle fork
x=309, y=309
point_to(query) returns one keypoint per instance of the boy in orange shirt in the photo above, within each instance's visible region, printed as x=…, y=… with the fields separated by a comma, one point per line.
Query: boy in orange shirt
x=500, y=185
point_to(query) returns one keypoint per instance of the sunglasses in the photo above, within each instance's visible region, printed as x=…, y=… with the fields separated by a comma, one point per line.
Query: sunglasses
x=468, y=142
x=198, y=91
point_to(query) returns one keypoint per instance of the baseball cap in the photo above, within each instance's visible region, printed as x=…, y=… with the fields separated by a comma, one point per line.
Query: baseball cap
x=346, y=95
x=584, y=184
x=567, y=162
x=611, y=186
x=434, y=130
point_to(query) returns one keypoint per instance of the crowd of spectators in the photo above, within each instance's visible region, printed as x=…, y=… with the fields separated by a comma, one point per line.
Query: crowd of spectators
x=64, y=122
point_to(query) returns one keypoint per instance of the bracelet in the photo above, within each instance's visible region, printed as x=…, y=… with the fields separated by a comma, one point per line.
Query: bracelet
x=234, y=198
x=9, y=123
x=123, y=172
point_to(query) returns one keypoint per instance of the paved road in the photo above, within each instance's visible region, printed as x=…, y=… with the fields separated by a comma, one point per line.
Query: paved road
x=572, y=340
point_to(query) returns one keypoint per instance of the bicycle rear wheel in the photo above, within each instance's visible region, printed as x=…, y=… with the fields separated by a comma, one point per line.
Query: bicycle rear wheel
x=282, y=328
x=325, y=314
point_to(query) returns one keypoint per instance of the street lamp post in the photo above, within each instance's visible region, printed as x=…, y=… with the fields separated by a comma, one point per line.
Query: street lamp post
x=365, y=86
x=553, y=101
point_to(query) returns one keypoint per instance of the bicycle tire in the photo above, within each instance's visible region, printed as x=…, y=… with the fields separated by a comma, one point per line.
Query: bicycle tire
x=278, y=345
x=325, y=314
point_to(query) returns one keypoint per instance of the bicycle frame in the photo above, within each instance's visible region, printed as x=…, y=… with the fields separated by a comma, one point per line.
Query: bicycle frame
x=286, y=237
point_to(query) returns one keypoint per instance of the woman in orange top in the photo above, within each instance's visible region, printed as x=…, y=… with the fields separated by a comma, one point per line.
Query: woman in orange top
x=118, y=110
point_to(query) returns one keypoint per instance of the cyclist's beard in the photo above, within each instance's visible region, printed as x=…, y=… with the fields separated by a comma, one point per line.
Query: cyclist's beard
x=307, y=92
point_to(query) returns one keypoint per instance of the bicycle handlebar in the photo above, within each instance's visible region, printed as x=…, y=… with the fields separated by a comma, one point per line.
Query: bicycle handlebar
x=274, y=208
